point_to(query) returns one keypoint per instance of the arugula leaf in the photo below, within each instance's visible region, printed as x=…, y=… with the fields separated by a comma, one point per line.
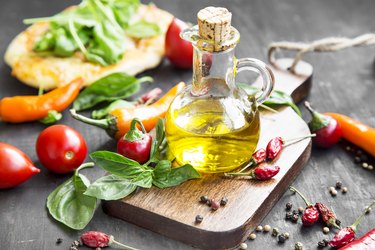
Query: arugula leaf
x=52, y=117
x=117, y=164
x=143, y=29
x=276, y=98
x=110, y=187
x=68, y=204
x=101, y=113
x=109, y=88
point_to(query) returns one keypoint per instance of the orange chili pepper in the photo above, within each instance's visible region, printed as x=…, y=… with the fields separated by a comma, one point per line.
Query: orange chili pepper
x=117, y=124
x=19, y=109
x=357, y=133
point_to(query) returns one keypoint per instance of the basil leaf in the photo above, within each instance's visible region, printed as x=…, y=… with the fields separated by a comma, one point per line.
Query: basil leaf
x=157, y=141
x=117, y=164
x=143, y=180
x=101, y=113
x=175, y=176
x=69, y=205
x=143, y=29
x=52, y=117
x=109, y=88
x=110, y=187
x=276, y=98
x=162, y=169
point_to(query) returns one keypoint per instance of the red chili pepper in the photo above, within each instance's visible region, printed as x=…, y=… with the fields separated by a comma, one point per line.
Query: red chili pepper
x=347, y=234
x=150, y=96
x=328, y=216
x=310, y=214
x=260, y=173
x=96, y=239
x=366, y=242
x=258, y=157
x=328, y=130
x=277, y=144
x=135, y=145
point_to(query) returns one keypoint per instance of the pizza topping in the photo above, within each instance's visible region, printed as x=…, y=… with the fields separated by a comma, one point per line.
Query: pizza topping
x=98, y=29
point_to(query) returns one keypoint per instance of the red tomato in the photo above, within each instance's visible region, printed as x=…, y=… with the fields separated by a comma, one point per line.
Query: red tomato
x=15, y=166
x=178, y=51
x=61, y=149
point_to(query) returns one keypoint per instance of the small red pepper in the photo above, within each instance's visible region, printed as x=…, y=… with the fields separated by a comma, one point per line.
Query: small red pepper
x=261, y=173
x=328, y=130
x=96, y=239
x=136, y=144
x=150, y=96
x=277, y=144
x=310, y=214
x=258, y=157
x=328, y=216
x=366, y=242
x=347, y=234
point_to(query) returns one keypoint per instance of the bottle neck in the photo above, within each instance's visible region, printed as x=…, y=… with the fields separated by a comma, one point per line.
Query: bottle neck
x=207, y=65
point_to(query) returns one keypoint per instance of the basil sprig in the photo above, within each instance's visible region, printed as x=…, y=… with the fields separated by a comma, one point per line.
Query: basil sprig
x=97, y=28
x=68, y=203
x=109, y=88
x=276, y=98
x=127, y=174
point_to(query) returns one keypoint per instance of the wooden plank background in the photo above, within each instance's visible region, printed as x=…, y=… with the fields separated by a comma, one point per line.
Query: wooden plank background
x=343, y=82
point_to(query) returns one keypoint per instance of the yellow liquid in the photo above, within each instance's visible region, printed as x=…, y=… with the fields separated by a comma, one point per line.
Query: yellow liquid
x=212, y=139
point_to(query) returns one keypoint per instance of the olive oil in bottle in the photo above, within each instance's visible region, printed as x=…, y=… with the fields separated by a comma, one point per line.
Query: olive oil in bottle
x=212, y=124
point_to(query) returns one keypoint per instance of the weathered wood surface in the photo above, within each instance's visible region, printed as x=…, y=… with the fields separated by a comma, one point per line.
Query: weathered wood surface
x=343, y=82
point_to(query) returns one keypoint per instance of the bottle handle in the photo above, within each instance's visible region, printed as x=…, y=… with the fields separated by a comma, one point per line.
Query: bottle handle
x=263, y=70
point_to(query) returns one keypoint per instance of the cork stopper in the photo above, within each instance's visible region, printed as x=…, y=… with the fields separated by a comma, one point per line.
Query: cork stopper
x=215, y=25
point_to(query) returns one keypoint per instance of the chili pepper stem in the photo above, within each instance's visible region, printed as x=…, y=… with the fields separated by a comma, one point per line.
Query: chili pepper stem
x=244, y=168
x=237, y=174
x=113, y=241
x=293, y=189
x=268, y=108
x=102, y=123
x=358, y=220
x=297, y=139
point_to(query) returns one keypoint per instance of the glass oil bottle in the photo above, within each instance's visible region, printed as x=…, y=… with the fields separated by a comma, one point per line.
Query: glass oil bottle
x=213, y=124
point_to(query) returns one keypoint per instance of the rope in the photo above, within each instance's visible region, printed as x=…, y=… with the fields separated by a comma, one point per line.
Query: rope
x=322, y=45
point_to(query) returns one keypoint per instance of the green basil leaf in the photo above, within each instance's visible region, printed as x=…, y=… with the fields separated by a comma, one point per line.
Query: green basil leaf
x=52, y=117
x=162, y=169
x=69, y=205
x=176, y=176
x=110, y=187
x=101, y=113
x=143, y=180
x=157, y=141
x=277, y=97
x=109, y=88
x=117, y=164
x=143, y=29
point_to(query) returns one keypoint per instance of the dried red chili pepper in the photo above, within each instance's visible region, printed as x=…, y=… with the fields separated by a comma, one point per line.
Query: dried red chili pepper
x=347, y=234
x=328, y=216
x=310, y=214
x=276, y=145
x=257, y=157
x=366, y=242
x=260, y=173
x=96, y=239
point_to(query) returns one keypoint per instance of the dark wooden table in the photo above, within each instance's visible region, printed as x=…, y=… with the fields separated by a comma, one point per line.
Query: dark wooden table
x=343, y=82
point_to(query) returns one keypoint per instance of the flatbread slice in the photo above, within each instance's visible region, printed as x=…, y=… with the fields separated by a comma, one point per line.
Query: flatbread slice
x=51, y=72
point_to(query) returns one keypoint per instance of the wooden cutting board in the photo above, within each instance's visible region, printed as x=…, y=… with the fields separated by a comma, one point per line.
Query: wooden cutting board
x=171, y=212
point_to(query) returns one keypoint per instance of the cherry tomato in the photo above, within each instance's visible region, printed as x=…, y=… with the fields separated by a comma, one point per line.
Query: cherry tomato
x=15, y=166
x=61, y=149
x=177, y=50
x=136, y=144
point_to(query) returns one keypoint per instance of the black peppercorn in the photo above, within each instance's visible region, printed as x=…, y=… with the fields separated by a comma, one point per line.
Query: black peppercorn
x=281, y=238
x=204, y=199
x=288, y=216
x=59, y=241
x=288, y=206
x=338, y=184
x=326, y=242
x=224, y=201
x=357, y=159
x=295, y=212
x=338, y=222
x=198, y=218
x=321, y=244
x=295, y=218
